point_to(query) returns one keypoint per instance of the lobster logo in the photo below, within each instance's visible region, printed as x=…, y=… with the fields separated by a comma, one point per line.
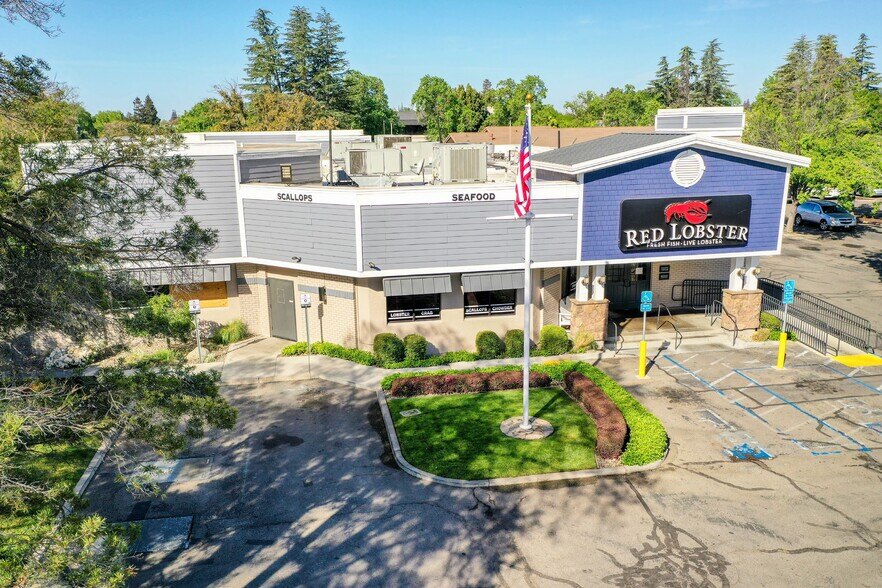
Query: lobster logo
x=693, y=212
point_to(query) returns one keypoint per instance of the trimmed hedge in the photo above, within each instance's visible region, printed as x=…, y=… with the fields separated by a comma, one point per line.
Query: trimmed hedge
x=514, y=343
x=553, y=340
x=611, y=427
x=367, y=358
x=388, y=348
x=464, y=383
x=647, y=439
x=488, y=345
x=415, y=347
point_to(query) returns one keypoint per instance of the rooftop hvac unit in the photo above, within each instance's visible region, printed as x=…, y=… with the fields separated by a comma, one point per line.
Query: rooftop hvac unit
x=356, y=162
x=720, y=121
x=386, y=141
x=370, y=162
x=413, y=153
x=461, y=163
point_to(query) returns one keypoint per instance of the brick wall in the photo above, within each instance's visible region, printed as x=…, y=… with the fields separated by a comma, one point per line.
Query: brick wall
x=552, y=281
x=253, y=297
x=699, y=269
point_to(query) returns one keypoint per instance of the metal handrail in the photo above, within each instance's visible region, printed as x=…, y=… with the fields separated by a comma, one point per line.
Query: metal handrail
x=732, y=318
x=658, y=317
x=711, y=310
x=619, y=340
x=678, y=337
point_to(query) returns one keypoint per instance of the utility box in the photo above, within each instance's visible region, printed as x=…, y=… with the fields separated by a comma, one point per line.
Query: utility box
x=386, y=141
x=414, y=152
x=461, y=163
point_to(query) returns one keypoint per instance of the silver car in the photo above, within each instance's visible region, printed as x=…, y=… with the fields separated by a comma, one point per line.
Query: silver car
x=827, y=215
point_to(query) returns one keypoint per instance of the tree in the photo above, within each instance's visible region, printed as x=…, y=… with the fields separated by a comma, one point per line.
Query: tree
x=471, y=109
x=664, y=85
x=618, y=107
x=685, y=72
x=173, y=117
x=265, y=70
x=865, y=69
x=104, y=117
x=147, y=114
x=200, y=118
x=368, y=103
x=137, y=107
x=273, y=111
x=297, y=51
x=35, y=12
x=22, y=78
x=328, y=64
x=509, y=98
x=432, y=100
x=229, y=110
x=712, y=87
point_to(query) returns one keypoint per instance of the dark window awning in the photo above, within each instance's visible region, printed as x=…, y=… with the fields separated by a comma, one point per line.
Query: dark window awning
x=439, y=284
x=196, y=274
x=481, y=281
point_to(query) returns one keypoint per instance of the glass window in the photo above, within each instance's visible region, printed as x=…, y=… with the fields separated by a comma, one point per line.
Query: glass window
x=571, y=275
x=409, y=308
x=832, y=207
x=489, y=302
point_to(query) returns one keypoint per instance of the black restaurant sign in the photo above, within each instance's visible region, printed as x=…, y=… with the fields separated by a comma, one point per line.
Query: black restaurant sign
x=663, y=224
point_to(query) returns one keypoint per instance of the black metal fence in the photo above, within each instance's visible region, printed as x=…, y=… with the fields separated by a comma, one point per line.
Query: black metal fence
x=699, y=294
x=819, y=313
x=808, y=329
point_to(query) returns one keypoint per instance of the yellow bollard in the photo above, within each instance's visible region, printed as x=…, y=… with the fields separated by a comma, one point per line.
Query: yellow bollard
x=641, y=369
x=782, y=350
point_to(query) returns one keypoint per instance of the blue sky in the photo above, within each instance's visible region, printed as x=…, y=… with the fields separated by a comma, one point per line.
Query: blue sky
x=178, y=50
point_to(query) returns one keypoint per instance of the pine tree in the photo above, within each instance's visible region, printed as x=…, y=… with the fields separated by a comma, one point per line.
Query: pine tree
x=149, y=115
x=137, y=108
x=265, y=69
x=329, y=63
x=174, y=116
x=297, y=51
x=713, y=87
x=684, y=73
x=865, y=69
x=664, y=86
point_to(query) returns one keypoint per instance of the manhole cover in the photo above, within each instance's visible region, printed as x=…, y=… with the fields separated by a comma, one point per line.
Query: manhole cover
x=411, y=412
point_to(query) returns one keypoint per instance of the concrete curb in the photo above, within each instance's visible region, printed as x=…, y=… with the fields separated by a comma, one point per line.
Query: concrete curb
x=89, y=472
x=499, y=482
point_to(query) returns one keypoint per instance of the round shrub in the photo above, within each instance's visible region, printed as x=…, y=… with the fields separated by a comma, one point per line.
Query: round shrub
x=388, y=348
x=762, y=334
x=489, y=345
x=514, y=343
x=553, y=340
x=415, y=347
x=584, y=341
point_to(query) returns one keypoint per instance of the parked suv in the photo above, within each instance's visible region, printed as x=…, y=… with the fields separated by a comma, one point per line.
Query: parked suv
x=827, y=215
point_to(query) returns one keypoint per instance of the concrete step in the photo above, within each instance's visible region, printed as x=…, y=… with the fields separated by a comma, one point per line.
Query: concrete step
x=656, y=339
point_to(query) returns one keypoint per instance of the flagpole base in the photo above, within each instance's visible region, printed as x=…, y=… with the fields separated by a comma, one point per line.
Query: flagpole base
x=539, y=428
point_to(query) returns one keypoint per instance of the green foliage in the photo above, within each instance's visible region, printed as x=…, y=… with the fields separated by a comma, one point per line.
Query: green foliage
x=713, y=88
x=415, y=347
x=265, y=71
x=105, y=117
x=508, y=98
x=769, y=321
x=762, y=334
x=388, y=348
x=618, y=107
x=162, y=316
x=145, y=112
x=488, y=345
x=232, y=332
x=200, y=118
x=331, y=350
x=647, y=439
x=161, y=357
x=554, y=340
x=514, y=343
x=864, y=68
x=367, y=102
x=328, y=64
x=432, y=99
x=584, y=341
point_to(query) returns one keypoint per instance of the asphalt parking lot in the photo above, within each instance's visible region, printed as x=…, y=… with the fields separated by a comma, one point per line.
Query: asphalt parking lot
x=773, y=479
x=843, y=267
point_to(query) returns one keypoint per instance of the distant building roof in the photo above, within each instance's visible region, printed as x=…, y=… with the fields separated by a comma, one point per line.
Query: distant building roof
x=603, y=147
x=409, y=117
x=542, y=136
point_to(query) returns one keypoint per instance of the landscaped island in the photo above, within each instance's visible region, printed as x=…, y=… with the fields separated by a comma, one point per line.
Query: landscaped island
x=456, y=433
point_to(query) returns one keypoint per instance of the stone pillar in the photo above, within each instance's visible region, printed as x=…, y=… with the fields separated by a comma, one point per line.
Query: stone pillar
x=590, y=316
x=745, y=306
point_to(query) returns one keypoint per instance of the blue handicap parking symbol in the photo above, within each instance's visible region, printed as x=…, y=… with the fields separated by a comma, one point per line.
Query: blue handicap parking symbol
x=789, y=291
x=646, y=296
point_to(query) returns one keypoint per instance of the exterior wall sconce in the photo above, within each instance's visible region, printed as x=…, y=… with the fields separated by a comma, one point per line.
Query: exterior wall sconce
x=602, y=280
x=756, y=271
x=372, y=265
x=296, y=258
x=741, y=272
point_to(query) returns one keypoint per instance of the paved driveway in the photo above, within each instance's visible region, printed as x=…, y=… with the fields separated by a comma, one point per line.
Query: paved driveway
x=303, y=493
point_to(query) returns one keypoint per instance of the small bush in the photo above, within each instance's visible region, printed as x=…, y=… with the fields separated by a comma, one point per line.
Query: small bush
x=298, y=348
x=611, y=427
x=415, y=347
x=584, y=341
x=161, y=357
x=762, y=334
x=514, y=343
x=455, y=356
x=513, y=380
x=464, y=383
x=461, y=383
x=388, y=348
x=553, y=340
x=489, y=345
x=162, y=316
x=230, y=333
x=770, y=322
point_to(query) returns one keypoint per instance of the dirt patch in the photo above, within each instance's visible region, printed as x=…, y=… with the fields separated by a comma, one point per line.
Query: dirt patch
x=375, y=420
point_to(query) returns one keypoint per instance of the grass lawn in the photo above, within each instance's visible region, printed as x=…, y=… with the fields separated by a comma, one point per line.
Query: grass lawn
x=458, y=436
x=49, y=463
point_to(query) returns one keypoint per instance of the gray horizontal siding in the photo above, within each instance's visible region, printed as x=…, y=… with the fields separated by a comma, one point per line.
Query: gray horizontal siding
x=216, y=176
x=457, y=234
x=320, y=234
x=304, y=168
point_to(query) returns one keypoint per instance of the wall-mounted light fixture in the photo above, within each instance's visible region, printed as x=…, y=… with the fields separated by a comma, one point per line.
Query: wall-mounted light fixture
x=741, y=271
x=296, y=258
x=372, y=265
x=601, y=280
x=756, y=271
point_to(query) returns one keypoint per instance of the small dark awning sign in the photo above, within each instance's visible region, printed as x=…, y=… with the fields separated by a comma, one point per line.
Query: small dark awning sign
x=664, y=224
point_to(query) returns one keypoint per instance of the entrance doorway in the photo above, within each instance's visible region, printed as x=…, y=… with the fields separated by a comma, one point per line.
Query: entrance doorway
x=624, y=284
x=283, y=316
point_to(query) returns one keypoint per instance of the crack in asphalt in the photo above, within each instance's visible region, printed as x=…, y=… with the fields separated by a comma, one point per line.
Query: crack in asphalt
x=665, y=561
x=723, y=482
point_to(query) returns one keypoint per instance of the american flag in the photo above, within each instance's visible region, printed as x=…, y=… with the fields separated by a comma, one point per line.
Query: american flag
x=522, y=185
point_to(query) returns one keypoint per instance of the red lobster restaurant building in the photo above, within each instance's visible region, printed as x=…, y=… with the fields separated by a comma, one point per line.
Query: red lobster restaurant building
x=686, y=210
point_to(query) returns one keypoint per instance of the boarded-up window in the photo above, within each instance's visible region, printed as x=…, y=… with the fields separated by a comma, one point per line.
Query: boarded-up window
x=209, y=294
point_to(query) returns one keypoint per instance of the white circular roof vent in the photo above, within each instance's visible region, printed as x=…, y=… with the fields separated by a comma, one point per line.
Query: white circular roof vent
x=687, y=168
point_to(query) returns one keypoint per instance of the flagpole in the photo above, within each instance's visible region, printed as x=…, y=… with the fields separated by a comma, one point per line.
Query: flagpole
x=528, y=288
